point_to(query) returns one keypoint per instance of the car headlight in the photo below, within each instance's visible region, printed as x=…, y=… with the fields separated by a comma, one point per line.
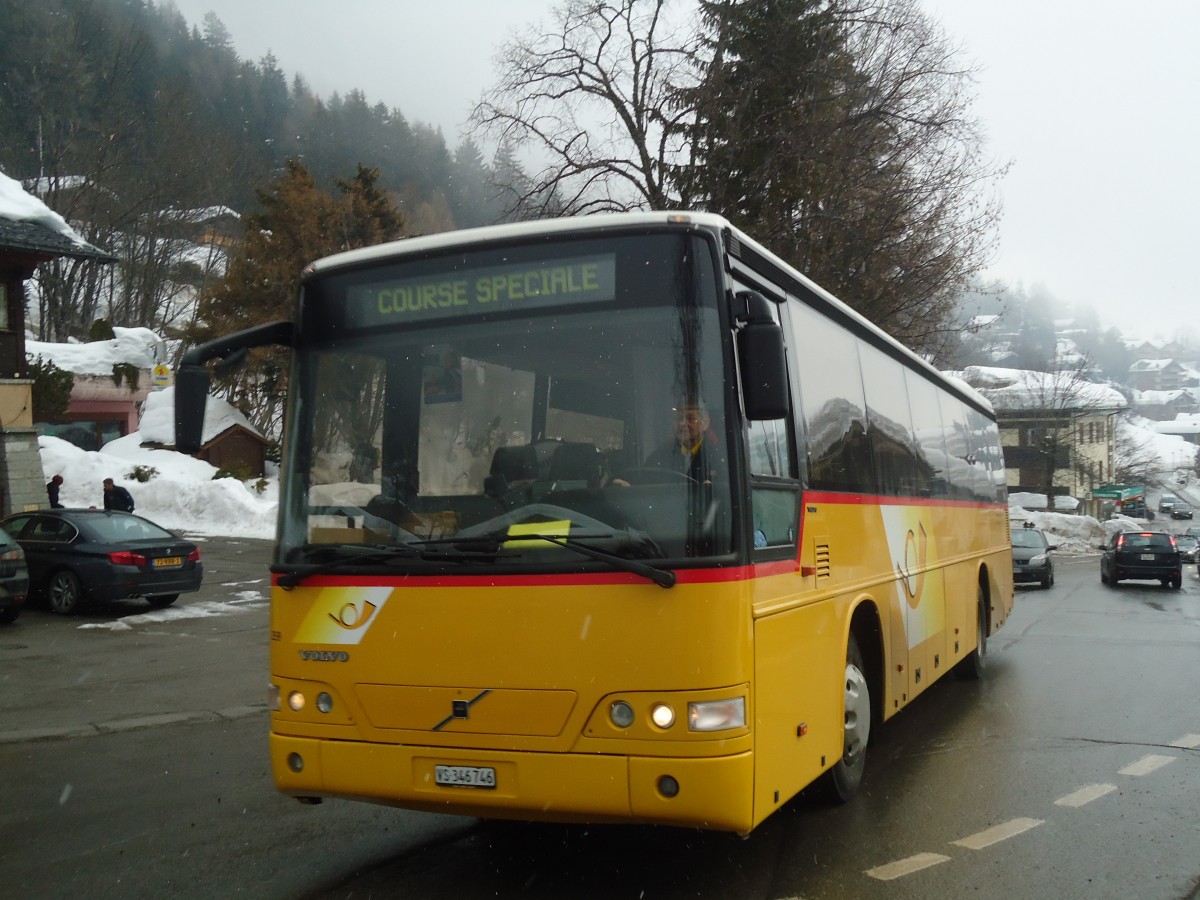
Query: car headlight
x=1037, y=560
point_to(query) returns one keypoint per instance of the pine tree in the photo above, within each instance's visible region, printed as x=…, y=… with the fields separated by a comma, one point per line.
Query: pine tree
x=298, y=224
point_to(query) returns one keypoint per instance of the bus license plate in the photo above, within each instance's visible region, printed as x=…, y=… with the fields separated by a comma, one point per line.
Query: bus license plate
x=166, y=561
x=465, y=776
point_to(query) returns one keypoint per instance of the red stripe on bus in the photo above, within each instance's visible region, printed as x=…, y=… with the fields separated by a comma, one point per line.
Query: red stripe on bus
x=684, y=576
x=882, y=500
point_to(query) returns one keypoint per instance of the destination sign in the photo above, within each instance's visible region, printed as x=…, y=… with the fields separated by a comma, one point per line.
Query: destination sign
x=534, y=286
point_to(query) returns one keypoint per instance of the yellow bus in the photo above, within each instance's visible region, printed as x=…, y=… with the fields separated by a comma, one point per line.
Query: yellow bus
x=609, y=519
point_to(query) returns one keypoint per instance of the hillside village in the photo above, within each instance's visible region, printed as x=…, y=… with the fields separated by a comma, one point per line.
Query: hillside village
x=1067, y=434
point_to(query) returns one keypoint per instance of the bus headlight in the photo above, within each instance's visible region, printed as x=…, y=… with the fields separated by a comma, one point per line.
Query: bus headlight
x=295, y=701
x=324, y=702
x=662, y=715
x=274, y=703
x=717, y=715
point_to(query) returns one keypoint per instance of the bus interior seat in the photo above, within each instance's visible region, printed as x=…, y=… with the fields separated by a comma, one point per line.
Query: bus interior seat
x=511, y=466
x=544, y=450
x=390, y=510
x=575, y=465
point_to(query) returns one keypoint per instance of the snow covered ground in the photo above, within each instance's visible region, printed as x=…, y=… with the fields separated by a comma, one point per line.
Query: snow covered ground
x=181, y=494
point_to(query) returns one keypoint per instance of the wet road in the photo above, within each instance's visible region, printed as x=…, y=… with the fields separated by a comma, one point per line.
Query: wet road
x=135, y=765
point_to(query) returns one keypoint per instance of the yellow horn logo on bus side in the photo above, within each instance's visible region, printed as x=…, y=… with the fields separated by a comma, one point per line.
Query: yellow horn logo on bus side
x=350, y=617
x=915, y=550
x=341, y=615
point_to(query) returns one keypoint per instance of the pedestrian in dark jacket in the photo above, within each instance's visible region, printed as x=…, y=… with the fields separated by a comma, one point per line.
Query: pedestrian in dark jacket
x=116, y=497
x=52, y=491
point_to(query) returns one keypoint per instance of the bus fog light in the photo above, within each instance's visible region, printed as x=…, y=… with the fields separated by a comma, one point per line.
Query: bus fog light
x=668, y=786
x=296, y=701
x=295, y=762
x=717, y=715
x=662, y=715
x=274, y=701
x=324, y=702
x=621, y=714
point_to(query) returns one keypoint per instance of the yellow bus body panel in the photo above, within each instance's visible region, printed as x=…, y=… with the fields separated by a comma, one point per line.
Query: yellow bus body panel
x=518, y=675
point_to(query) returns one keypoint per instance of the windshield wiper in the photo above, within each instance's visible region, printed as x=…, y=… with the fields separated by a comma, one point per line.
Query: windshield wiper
x=344, y=556
x=662, y=577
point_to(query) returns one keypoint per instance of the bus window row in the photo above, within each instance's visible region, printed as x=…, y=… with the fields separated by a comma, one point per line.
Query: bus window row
x=877, y=426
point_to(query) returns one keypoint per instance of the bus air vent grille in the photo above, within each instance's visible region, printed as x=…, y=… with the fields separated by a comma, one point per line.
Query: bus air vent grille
x=822, y=559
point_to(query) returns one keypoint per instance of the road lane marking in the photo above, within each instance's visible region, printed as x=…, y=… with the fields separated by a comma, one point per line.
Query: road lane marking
x=1146, y=765
x=1085, y=795
x=906, y=866
x=1187, y=742
x=997, y=833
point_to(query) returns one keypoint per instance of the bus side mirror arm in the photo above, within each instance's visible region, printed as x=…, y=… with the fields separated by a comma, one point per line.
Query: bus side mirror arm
x=192, y=380
x=762, y=359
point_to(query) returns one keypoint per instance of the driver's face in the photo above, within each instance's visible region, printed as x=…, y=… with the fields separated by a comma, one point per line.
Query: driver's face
x=690, y=423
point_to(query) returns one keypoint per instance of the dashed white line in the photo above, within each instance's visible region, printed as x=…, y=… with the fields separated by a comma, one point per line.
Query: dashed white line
x=1147, y=764
x=1085, y=795
x=1150, y=763
x=997, y=833
x=906, y=866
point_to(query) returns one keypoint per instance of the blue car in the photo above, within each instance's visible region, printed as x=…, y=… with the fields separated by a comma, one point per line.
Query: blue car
x=80, y=555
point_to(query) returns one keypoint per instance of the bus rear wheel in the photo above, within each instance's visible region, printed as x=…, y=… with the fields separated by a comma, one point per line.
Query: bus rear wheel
x=974, y=663
x=844, y=778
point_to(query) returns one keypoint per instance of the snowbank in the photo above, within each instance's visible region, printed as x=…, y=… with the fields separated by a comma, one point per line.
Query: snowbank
x=180, y=495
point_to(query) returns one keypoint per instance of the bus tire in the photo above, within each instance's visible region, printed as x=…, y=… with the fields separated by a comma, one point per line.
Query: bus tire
x=974, y=663
x=844, y=778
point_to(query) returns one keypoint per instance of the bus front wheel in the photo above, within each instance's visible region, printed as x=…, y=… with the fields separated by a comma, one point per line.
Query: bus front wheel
x=846, y=775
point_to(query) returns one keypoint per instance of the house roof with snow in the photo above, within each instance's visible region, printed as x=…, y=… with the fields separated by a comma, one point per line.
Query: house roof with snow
x=1163, y=398
x=27, y=225
x=1014, y=390
x=1153, y=365
x=1184, y=423
x=158, y=419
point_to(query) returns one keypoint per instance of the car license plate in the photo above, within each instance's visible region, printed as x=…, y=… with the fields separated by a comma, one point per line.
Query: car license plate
x=164, y=562
x=1148, y=556
x=465, y=776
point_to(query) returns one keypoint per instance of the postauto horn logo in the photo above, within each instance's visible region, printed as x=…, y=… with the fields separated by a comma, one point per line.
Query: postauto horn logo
x=342, y=615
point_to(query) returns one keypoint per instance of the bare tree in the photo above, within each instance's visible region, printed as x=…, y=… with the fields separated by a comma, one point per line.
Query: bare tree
x=838, y=132
x=1136, y=461
x=594, y=99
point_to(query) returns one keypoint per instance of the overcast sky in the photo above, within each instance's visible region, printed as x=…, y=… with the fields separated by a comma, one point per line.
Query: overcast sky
x=1093, y=101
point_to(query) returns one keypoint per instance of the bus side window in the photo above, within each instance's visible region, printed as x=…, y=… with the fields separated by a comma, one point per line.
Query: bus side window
x=825, y=357
x=774, y=490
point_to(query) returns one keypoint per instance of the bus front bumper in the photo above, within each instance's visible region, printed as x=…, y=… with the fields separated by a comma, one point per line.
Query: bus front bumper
x=708, y=792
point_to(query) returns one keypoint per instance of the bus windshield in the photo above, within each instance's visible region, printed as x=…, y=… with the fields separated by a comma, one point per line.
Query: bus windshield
x=515, y=408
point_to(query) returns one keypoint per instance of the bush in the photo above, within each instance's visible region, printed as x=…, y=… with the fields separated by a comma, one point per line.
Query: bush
x=239, y=470
x=143, y=473
x=51, y=389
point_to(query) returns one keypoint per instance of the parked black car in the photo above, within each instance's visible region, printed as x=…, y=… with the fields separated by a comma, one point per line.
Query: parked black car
x=1033, y=556
x=1181, y=511
x=75, y=555
x=14, y=578
x=1141, y=555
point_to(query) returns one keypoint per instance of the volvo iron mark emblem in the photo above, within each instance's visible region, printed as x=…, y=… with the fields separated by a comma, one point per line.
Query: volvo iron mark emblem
x=461, y=709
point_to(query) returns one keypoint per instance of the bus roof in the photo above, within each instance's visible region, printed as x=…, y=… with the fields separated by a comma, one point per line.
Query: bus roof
x=623, y=221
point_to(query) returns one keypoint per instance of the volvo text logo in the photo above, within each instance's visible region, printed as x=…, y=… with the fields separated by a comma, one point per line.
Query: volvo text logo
x=324, y=656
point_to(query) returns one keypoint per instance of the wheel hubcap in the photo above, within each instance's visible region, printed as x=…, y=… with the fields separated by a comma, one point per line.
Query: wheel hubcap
x=858, y=714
